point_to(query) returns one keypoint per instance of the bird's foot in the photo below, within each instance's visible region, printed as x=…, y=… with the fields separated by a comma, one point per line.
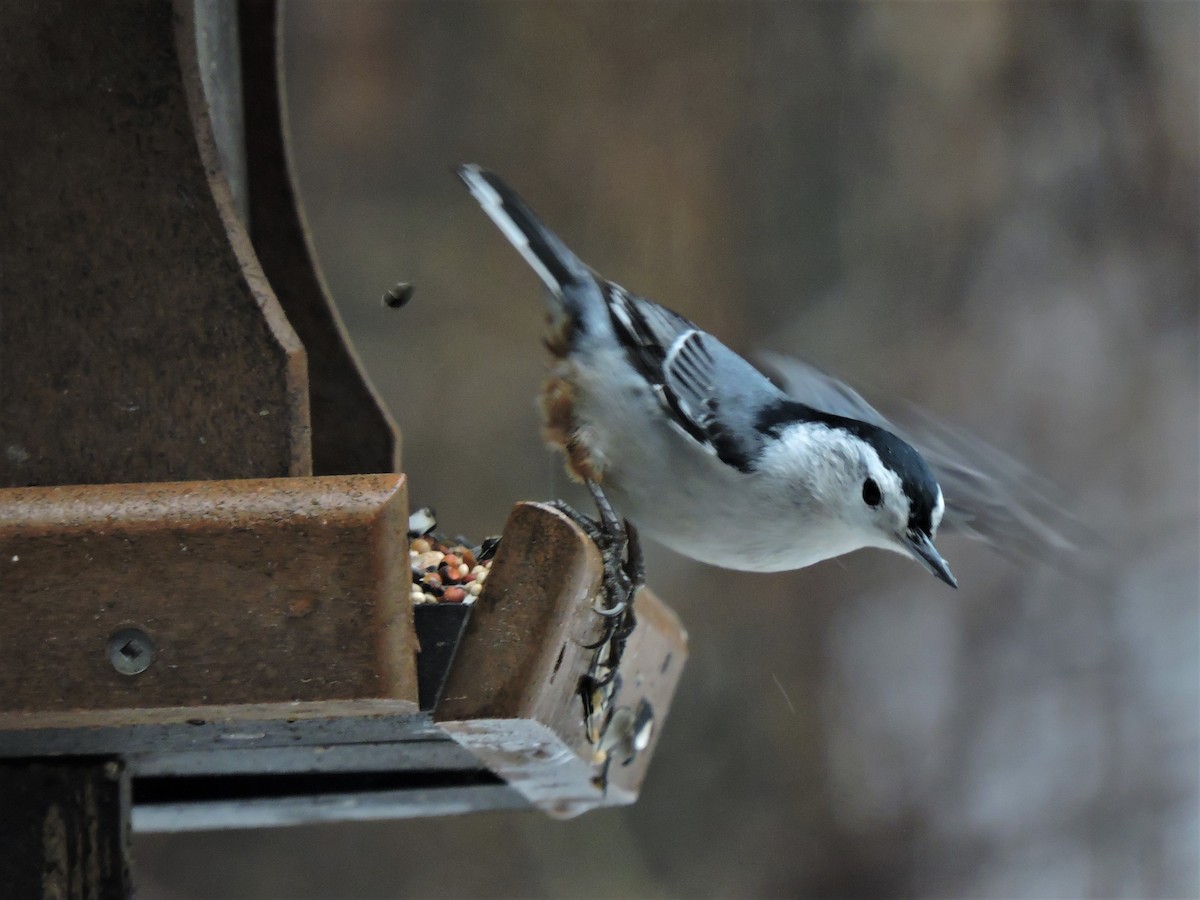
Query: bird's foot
x=624, y=568
x=624, y=574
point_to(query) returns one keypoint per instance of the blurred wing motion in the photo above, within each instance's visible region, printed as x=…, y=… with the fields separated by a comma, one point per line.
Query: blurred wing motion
x=989, y=495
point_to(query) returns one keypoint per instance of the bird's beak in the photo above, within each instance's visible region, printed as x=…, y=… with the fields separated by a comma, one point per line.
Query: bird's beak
x=921, y=547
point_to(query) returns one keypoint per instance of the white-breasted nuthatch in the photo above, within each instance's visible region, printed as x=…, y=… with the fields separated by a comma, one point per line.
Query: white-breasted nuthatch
x=696, y=446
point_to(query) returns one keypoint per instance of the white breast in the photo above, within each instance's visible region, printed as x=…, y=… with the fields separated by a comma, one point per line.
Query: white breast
x=683, y=496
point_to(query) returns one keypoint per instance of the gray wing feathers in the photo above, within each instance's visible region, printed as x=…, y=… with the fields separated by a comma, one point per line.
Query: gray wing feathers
x=821, y=391
x=717, y=395
x=707, y=391
x=652, y=328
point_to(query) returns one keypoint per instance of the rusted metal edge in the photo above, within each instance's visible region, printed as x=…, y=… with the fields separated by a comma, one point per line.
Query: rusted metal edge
x=198, y=719
x=513, y=694
x=325, y=803
x=247, y=592
x=216, y=504
x=297, y=374
x=536, y=603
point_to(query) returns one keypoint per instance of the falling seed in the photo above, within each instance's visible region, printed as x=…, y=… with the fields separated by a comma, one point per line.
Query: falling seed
x=398, y=296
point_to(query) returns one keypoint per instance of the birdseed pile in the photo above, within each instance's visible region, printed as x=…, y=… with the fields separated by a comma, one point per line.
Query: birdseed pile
x=445, y=570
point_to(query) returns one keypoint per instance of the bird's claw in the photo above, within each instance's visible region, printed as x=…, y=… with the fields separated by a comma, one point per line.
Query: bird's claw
x=624, y=574
x=612, y=612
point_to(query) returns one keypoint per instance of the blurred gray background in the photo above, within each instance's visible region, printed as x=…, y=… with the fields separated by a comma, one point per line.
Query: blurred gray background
x=989, y=208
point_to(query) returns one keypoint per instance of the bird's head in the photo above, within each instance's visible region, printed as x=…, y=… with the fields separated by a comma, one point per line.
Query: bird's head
x=897, y=499
x=877, y=487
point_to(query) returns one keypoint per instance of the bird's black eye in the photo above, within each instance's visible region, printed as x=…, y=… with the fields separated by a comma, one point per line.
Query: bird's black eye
x=871, y=494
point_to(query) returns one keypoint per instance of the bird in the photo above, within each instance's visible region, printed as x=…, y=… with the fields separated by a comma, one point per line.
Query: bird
x=694, y=444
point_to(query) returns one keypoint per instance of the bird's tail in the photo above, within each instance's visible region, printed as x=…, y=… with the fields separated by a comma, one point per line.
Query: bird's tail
x=555, y=264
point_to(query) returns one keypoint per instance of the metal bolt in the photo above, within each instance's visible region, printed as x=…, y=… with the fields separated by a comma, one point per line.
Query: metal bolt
x=131, y=651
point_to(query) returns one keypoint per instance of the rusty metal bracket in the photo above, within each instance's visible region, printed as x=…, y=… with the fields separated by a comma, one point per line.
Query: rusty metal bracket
x=246, y=647
x=244, y=592
x=513, y=694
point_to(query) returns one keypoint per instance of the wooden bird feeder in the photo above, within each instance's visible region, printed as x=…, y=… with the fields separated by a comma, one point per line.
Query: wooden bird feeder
x=205, y=617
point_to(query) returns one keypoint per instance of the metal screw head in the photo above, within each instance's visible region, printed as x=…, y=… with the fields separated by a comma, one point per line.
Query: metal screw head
x=130, y=651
